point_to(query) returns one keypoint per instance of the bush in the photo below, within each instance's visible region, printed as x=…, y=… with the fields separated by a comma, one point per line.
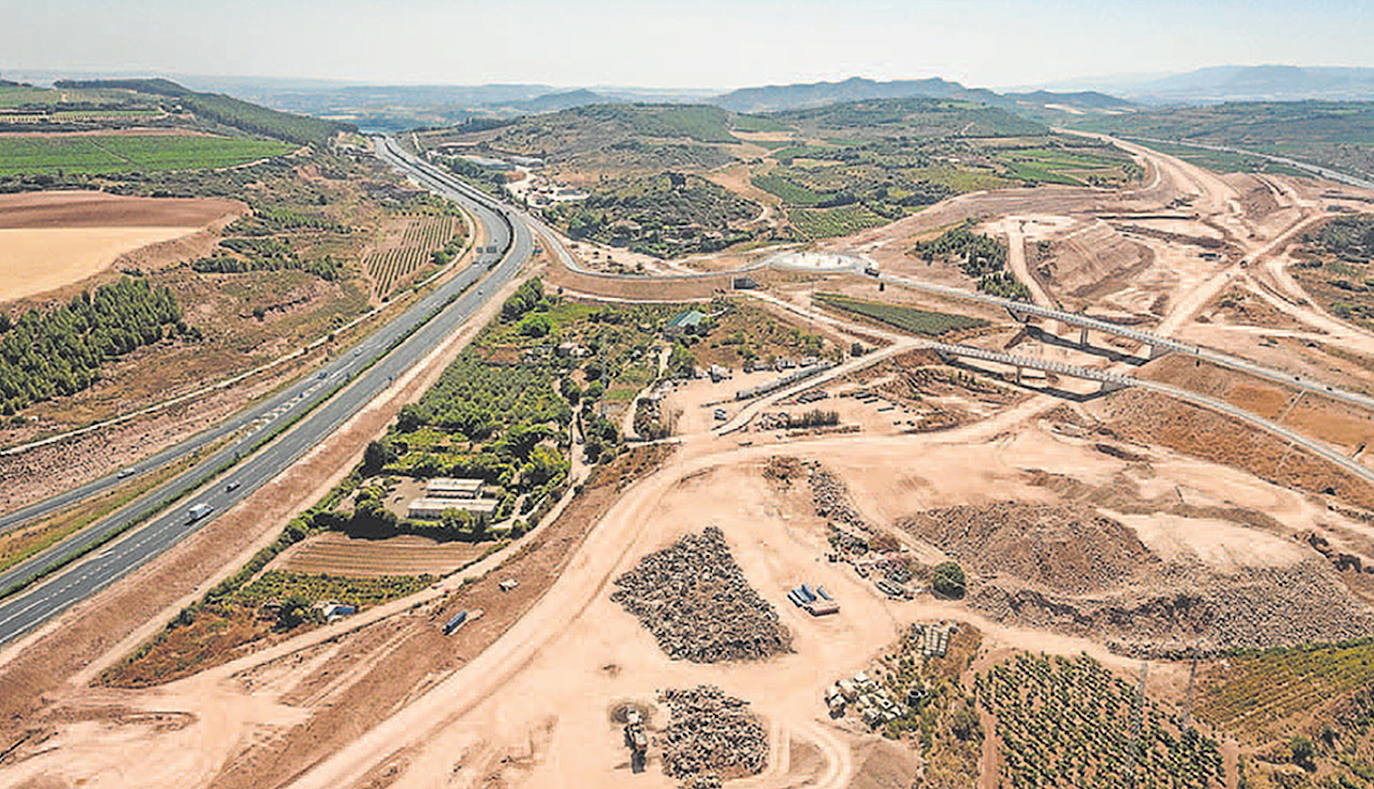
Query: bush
x=948, y=580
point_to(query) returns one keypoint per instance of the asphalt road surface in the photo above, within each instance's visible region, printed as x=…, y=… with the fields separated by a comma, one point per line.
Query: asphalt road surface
x=362, y=383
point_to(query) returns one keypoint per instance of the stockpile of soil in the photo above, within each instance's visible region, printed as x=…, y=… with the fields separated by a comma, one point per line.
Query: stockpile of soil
x=1069, y=548
x=695, y=600
x=710, y=736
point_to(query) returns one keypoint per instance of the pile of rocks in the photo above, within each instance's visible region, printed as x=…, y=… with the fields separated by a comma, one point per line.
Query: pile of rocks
x=831, y=498
x=695, y=600
x=710, y=736
x=1187, y=611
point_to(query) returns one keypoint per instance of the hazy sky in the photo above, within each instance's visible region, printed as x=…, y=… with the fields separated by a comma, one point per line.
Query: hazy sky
x=702, y=43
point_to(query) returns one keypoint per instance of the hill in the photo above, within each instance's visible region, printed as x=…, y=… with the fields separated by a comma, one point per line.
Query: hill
x=217, y=108
x=773, y=98
x=562, y=100
x=1339, y=135
x=918, y=117
x=1255, y=83
x=778, y=98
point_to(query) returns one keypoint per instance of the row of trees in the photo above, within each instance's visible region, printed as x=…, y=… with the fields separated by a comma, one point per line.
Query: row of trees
x=48, y=353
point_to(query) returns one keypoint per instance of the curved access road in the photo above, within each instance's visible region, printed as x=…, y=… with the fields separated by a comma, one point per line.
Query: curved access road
x=299, y=418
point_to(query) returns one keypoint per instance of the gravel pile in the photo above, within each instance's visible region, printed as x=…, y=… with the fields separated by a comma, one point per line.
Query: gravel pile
x=710, y=736
x=831, y=498
x=695, y=600
x=1184, y=611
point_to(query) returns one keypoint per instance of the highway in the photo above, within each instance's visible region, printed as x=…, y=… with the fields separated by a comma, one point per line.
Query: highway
x=390, y=351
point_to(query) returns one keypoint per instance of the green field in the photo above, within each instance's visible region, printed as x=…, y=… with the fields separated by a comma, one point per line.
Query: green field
x=908, y=319
x=116, y=153
x=830, y=222
x=1057, y=166
x=1222, y=161
x=790, y=192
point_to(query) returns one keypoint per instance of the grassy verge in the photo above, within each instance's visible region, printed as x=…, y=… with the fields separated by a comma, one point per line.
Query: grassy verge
x=20, y=543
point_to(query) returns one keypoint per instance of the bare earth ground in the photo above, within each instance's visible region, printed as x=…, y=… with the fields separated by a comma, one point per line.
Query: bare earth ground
x=52, y=239
x=521, y=696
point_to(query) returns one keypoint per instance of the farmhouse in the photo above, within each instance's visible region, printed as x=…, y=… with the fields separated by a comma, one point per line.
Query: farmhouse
x=433, y=508
x=453, y=488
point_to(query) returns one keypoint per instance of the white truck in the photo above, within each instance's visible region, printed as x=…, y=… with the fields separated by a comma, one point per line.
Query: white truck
x=198, y=511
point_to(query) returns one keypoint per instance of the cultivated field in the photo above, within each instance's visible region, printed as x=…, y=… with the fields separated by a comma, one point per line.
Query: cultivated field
x=337, y=554
x=48, y=240
x=124, y=153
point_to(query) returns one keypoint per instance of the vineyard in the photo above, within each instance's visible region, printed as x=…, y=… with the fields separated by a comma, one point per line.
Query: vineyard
x=422, y=237
x=829, y=222
x=908, y=319
x=1068, y=722
x=1255, y=695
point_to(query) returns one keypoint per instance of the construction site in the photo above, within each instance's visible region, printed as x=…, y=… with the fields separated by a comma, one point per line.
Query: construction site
x=1151, y=464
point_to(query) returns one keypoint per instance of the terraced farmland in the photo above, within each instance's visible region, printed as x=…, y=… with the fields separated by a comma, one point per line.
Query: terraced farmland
x=397, y=264
x=338, y=554
x=127, y=153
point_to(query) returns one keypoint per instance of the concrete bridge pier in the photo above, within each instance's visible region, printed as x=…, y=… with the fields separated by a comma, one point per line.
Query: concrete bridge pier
x=1157, y=351
x=1083, y=337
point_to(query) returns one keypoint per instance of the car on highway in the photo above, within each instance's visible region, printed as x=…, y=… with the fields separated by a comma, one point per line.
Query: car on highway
x=232, y=486
x=125, y=473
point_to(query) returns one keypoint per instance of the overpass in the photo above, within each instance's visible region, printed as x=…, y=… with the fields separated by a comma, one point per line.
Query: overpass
x=1110, y=381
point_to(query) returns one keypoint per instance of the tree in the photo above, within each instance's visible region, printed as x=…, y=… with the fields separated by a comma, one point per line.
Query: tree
x=964, y=724
x=536, y=325
x=293, y=612
x=1303, y=752
x=377, y=455
x=948, y=580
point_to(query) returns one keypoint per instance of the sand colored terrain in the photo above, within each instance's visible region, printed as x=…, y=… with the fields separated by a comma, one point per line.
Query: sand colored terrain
x=37, y=261
x=30, y=210
x=52, y=239
x=523, y=698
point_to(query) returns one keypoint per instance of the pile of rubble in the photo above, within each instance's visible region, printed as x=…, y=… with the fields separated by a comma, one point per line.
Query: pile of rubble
x=783, y=469
x=1185, y=611
x=710, y=736
x=695, y=600
x=831, y=498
